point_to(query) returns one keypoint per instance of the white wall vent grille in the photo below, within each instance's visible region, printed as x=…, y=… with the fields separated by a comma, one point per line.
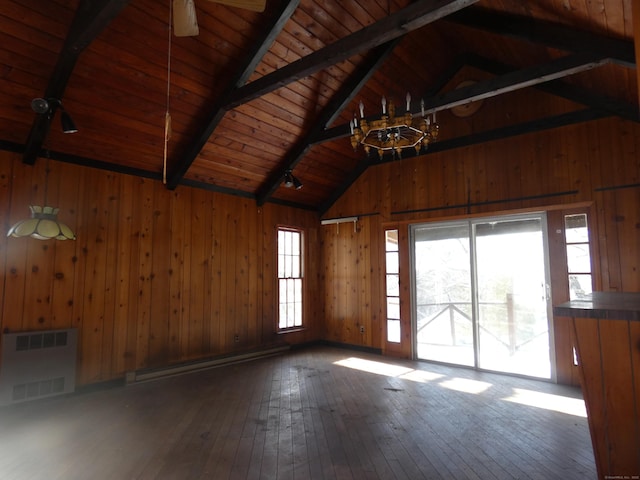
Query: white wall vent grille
x=37, y=364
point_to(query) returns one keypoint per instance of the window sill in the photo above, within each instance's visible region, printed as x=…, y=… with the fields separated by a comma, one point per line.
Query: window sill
x=291, y=330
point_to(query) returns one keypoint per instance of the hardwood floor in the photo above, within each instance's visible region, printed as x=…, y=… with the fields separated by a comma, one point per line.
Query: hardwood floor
x=318, y=413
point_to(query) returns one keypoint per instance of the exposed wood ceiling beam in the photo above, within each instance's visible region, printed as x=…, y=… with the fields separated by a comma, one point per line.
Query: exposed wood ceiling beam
x=91, y=17
x=508, y=82
x=339, y=101
x=412, y=17
x=458, y=63
x=548, y=34
x=537, y=125
x=219, y=108
x=562, y=89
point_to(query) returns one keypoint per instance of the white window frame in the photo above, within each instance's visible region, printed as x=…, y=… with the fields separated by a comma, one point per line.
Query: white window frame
x=290, y=278
x=392, y=287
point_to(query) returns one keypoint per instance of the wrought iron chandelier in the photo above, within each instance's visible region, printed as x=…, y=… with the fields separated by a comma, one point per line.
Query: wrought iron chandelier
x=393, y=134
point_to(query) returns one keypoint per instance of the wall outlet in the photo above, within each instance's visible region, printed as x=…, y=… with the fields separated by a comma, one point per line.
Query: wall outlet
x=361, y=328
x=236, y=338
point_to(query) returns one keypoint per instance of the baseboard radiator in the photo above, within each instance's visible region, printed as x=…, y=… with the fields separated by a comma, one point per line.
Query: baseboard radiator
x=37, y=364
x=173, y=370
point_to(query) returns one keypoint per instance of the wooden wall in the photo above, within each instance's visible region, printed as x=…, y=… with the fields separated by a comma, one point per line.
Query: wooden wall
x=158, y=277
x=155, y=277
x=597, y=161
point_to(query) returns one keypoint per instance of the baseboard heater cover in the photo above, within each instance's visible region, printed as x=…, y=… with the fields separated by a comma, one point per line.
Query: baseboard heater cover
x=37, y=364
x=139, y=376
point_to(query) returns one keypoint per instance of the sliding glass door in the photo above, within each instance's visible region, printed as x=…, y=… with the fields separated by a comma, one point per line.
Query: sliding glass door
x=481, y=295
x=443, y=307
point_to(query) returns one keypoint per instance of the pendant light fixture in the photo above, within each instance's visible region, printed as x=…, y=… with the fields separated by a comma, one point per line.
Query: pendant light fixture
x=43, y=223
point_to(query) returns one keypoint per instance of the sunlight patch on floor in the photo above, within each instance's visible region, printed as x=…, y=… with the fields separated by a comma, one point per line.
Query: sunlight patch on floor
x=548, y=401
x=421, y=376
x=379, y=368
x=465, y=385
x=531, y=398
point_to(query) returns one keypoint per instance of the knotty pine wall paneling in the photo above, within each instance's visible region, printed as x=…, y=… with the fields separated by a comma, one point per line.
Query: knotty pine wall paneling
x=160, y=279
x=594, y=163
x=198, y=276
x=124, y=332
x=155, y=277
x=619, y=237
x=144, y=244
x=342, y=299
x=271, y=217
x=16, y=253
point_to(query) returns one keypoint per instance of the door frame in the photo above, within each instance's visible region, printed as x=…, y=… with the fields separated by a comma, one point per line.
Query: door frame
x=471, y=222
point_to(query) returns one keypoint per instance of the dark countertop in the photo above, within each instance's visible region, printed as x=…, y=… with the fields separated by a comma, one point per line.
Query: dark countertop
x=611, y=305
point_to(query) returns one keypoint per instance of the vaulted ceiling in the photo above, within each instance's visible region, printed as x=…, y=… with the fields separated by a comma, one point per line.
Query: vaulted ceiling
x=257, y=94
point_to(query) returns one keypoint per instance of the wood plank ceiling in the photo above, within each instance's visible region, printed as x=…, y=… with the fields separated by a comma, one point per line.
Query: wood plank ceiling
x=256, y=94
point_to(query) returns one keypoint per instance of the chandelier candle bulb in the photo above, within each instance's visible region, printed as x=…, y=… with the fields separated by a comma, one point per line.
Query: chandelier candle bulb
x=361, y=109
x=384, y=106
x=408, y=102
x=422, y=107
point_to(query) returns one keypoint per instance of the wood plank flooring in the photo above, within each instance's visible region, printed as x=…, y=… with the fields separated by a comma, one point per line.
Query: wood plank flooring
x=317, y=413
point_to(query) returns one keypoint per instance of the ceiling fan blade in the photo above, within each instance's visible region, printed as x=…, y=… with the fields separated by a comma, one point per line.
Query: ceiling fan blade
x=185, y=23
x=253, y=5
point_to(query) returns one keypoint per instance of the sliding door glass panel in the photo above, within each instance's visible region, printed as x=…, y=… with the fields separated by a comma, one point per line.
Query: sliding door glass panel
x=443, y=294
x=513, y=327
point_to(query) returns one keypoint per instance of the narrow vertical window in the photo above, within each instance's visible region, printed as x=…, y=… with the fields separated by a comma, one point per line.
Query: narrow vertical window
x=578, y=257
x=289, y=278
x=392, y=264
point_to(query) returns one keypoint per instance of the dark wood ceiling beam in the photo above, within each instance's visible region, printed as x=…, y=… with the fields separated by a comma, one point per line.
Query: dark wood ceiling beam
x=545, y=33
x=459, y=62
x=342, y=131
x=562, y=89
x=512, y=81
x=347, y=181
x=91, y=17
x=328, y=115
x=537, y=125
x=220, y=106
x=508, y=82
x=412, y=17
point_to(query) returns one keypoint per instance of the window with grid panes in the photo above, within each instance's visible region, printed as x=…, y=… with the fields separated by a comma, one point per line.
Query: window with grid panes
x=576, y=230
x=578, y=255
x=392, y=278
x=289, y=278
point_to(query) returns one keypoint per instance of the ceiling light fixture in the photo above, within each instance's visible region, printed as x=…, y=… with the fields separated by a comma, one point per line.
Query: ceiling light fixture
x=291, y=181
x=393, y=134
x=43, y=225
x=49, y=106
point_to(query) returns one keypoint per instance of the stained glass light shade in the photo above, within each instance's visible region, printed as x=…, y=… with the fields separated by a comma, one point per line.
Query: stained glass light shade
x=43, y=225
